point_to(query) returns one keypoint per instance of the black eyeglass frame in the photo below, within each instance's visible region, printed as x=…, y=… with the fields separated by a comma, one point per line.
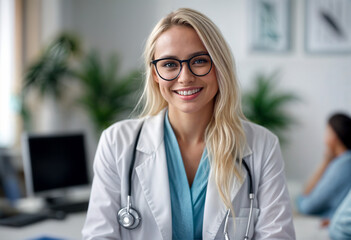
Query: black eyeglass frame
x=154, y=62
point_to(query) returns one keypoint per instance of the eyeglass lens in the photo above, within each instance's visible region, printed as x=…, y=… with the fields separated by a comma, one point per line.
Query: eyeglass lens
x=170, y=68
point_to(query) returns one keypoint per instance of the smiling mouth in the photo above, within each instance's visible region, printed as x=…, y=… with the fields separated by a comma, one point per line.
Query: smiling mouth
x=188, y=92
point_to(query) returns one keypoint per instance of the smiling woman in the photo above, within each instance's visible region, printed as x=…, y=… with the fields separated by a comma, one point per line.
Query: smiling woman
x=191, y=167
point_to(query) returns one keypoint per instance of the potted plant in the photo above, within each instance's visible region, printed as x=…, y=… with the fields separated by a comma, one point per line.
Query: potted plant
x=265, y=104
x=48, y=72
x=105, y=94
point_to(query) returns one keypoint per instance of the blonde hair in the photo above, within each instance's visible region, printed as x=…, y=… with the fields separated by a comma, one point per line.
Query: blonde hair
x=224, y=135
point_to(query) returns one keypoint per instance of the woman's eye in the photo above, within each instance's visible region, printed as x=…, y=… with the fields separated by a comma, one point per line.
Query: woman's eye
x=170, y=65
x=200, y=61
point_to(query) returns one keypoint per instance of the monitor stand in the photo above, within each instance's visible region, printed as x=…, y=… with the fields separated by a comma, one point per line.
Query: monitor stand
x=66, y=205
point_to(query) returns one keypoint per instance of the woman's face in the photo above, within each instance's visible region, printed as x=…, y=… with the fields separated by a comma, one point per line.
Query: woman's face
x=331, y=139
x=187, y=93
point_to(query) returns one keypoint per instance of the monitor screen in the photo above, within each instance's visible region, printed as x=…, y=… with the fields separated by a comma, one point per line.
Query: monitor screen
x=54, y=162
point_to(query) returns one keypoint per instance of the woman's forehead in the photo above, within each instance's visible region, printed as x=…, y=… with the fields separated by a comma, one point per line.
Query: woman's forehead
x=178, y=41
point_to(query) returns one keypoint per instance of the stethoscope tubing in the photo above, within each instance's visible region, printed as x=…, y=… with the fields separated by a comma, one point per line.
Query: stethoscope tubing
x=251, y=197
x=129, y=203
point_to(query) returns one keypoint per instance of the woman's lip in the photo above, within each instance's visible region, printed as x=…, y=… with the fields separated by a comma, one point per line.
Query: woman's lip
x=186, y=89
x=189, y=97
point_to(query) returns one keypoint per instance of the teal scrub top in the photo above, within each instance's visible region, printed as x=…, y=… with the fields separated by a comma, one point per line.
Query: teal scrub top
x=188, y=203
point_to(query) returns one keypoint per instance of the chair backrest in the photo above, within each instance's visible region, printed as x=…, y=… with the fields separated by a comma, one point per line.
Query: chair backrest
x=8, y=177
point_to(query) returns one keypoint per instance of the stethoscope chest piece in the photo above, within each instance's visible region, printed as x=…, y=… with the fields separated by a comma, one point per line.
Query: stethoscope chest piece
x=128, y=218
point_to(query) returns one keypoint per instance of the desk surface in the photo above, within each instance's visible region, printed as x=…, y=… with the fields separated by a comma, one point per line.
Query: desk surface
x=69, y=229
x=306, y=228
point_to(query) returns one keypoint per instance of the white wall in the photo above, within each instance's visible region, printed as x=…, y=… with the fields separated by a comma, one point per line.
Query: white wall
x=7, y=72
x=114, y=26
x=323, y=81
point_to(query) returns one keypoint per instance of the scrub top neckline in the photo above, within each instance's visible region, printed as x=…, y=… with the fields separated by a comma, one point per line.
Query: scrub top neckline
x=204, y=156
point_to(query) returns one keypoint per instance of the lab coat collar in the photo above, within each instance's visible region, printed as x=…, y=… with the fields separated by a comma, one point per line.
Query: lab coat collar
x=156, y=189
x=153, y=132
x=153, y=173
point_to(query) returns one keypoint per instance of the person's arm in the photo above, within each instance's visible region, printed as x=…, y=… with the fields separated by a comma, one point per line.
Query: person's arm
x=101, y=221
x=311, y=184
x=275, y=217
x=321, y=198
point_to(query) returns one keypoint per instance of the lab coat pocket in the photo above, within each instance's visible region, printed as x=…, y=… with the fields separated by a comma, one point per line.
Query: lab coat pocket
x=237, y=232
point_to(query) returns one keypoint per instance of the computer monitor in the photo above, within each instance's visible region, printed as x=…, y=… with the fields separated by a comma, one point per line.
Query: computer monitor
x=54, y=163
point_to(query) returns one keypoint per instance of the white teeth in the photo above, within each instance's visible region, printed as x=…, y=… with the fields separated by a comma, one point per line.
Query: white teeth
x=190, y=92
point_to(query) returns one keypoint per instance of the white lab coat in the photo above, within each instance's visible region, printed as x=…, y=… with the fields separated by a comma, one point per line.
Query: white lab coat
x=272, y=216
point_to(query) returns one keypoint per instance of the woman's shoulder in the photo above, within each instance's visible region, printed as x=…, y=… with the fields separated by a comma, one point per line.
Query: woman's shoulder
x=124, y=125
x=124, y=129
x=258, y=134
x=123, y=133
x=342, y=162
x=263, y=144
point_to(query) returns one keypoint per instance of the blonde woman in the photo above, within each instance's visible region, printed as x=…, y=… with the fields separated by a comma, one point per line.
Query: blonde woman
x=191, y=167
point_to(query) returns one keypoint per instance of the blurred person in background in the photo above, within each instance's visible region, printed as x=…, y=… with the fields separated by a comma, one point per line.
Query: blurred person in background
x=329, y=185
x=340, y=226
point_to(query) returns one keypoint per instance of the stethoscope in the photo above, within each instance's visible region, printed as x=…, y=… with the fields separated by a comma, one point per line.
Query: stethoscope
x=129, y=218
x=251, y=197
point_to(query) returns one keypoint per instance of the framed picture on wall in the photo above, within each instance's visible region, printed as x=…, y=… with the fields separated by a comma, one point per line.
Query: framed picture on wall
x=328, y=26
x=270, y=25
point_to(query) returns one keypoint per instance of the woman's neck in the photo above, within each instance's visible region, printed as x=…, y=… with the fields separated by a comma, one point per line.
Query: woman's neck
x=340, y=149
x=189, y=127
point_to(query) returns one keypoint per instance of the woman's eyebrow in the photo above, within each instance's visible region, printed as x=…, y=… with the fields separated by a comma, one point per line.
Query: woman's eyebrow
x=197, y=53
x=189, y=56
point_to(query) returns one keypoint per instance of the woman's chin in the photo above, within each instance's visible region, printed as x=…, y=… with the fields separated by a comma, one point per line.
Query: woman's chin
x=191, y=108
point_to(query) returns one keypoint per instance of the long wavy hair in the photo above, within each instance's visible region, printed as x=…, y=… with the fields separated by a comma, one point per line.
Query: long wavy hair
x=224, y=136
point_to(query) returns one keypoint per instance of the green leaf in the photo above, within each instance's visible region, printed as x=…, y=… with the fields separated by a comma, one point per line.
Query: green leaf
x=48, y=72
x=264, y=104
x=106, y=94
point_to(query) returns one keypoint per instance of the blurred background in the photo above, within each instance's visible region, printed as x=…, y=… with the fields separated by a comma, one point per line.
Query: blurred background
x=76, y=66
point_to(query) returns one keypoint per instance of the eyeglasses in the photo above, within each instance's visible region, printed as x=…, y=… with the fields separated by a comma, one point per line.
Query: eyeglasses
x=169, y=68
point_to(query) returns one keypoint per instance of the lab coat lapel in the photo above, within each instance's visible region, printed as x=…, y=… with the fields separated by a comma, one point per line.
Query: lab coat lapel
x=153, y=174
x=215, y=210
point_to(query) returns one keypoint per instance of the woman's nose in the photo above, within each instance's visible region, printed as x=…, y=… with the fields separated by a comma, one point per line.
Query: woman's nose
x=186, y=76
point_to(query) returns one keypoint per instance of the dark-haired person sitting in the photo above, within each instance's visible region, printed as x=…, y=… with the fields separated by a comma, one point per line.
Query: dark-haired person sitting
x=331, y=182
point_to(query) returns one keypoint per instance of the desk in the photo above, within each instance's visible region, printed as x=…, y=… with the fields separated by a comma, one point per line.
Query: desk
x=70, y=229
x=307, y=228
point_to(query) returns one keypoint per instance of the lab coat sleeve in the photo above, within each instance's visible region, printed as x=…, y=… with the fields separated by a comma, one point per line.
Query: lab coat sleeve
x=101, y=222
x=275, y=218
